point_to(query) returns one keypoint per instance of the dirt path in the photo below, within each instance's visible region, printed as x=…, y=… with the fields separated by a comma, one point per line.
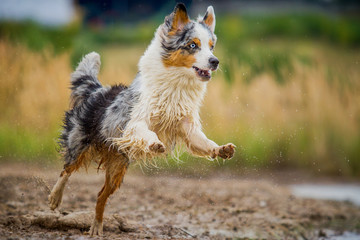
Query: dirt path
x=148, y=207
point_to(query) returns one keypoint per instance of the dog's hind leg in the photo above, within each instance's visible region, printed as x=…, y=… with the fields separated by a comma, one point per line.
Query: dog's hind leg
x=56, y=194
x=115, y=171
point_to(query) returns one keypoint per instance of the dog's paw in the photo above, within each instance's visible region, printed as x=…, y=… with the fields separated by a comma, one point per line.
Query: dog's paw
x=96, y=228
x=54, y=200
x=225, y=151
x=157, y=147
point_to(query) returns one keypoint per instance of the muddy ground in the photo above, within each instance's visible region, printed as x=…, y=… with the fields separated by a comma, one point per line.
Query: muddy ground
x=165, y=207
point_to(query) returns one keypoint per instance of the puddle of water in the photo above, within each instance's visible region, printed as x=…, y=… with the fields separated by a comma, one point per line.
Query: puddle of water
x=345, y=236
x=337, y=192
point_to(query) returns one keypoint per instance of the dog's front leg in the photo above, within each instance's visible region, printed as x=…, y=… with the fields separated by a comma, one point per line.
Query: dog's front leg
x=137, y=136
x=142, y=131
x=200, y=145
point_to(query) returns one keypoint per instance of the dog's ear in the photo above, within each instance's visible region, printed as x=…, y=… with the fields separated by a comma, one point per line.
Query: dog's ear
x=209, y=18
x=177, y=19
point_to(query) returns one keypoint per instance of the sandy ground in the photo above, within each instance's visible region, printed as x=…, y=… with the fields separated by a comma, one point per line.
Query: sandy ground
x=165, y=207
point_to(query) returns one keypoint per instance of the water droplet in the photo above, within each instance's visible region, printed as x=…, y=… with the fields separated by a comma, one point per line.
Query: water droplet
x=262, y=204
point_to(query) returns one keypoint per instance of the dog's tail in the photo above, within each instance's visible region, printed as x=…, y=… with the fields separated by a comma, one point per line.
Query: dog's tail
x=84, y=80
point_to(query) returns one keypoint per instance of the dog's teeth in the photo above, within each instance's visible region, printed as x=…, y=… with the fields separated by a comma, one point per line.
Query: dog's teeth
x=201, y=72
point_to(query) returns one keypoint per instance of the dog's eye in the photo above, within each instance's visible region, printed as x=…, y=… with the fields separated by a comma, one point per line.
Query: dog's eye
x=193, y=45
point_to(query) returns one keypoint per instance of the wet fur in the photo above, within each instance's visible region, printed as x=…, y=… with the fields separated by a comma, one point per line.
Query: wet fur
x=117, y=125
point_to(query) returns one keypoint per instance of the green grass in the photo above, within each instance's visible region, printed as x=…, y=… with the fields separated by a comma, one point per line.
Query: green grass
x=38, y=37
x=233, y=29
x=238, y=33
x=339, y=30
x=18, y=142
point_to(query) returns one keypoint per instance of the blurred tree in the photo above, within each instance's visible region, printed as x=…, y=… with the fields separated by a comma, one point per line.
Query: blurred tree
x=105, y=12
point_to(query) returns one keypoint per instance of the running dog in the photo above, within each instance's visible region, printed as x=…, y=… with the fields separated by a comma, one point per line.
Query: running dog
x=118, y=125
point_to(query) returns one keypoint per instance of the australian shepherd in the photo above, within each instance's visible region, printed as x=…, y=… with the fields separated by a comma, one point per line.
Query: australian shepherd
x=118, y=125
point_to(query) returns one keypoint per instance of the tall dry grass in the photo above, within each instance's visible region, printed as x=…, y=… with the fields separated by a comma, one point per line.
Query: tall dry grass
x=33, y=95
x=311, y=121
x=34, y=87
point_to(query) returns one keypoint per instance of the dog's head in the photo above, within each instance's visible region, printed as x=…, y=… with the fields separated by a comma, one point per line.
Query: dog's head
x=189, y=44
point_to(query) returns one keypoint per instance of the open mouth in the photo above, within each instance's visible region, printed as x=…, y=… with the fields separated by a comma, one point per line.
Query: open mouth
x=203, y=74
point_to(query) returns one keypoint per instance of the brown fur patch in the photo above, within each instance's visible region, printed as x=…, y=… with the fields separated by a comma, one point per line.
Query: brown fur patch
x=211, y=44
x=197, y=42
x=179, y=58
x=115, y=164
x=209, y=19
x=93, y=153
x=83, y=160
x=115, y=171
x=180, y=20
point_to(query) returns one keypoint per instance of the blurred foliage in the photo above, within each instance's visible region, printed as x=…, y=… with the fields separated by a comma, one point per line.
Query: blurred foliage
x=89, y=40
x=337, y=30
x=235, y=33
x=263, y=59
x=233, y=29
x=38, y=37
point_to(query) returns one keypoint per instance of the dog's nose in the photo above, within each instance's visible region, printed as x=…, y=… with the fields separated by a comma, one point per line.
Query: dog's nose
x=214, y=62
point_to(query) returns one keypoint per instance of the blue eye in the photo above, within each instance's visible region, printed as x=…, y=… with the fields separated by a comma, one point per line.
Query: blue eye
x=193, y=45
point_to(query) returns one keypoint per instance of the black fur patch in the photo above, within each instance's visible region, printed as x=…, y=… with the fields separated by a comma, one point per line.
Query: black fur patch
x=89, y=81
x=93, y=113
x=82, y=87
x=68, y=125
x=86, y=118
